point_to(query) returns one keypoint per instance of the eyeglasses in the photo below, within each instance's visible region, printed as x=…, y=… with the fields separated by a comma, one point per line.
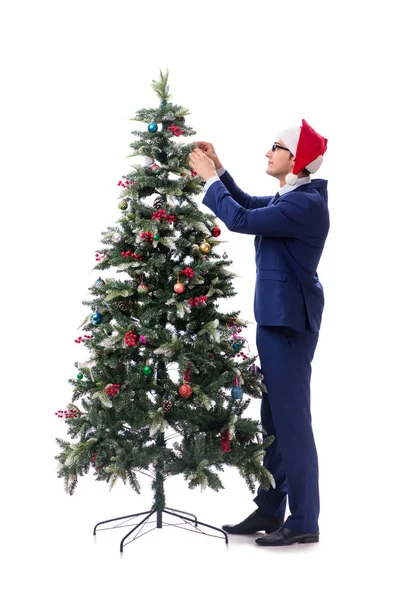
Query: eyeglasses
x=275, y=146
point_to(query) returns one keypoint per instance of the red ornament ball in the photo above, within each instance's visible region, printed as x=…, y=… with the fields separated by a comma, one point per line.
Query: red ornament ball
x=216, y=231
x=179, y=288
x=185, y=391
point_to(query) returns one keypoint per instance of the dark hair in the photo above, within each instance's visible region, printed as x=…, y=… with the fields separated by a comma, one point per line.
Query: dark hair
x=306, y=173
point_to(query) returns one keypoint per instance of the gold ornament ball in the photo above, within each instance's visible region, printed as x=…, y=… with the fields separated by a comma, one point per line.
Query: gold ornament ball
x=205, y=247
x=123, y=205
x=179, y=288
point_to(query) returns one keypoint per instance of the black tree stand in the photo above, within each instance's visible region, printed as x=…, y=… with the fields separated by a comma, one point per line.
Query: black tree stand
x=158, y=509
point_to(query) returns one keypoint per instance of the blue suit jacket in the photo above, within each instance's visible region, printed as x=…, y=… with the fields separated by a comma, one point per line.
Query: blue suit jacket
x=290, y=237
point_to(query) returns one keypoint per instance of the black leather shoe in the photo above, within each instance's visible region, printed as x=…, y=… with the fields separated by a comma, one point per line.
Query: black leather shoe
x=254, y=522
x=287, y=537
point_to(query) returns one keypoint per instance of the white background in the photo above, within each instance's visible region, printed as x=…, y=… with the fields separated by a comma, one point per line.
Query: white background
x=73, y=74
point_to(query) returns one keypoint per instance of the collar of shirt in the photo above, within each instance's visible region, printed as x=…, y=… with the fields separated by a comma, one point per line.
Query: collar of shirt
x=288, y=188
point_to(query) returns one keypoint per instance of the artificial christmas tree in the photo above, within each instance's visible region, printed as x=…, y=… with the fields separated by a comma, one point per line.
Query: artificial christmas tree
x=129, y=413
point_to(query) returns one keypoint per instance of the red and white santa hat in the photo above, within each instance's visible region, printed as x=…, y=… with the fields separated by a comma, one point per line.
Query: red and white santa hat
x=306, y=145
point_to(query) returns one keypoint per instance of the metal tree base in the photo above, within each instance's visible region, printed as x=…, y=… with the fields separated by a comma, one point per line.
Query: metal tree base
x=159, y=524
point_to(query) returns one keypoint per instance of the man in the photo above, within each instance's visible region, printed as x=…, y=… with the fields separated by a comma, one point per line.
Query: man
x=290, y=229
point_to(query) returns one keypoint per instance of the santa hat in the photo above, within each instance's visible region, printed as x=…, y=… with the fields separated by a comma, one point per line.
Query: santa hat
x=307, y=146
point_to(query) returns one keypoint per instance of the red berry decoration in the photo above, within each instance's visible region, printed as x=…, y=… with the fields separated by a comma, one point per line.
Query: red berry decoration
x=130, y=338
x=72, y=414
x=198, y=300
x=225, y=441
x=185, y=390
x=216, y=231
x=129, y=254
x=147, y=236
x=112, y=389
x=188, y=272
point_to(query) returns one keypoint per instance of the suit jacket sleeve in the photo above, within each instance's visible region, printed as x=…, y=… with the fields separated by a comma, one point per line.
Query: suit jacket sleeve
x=289, y=218
x=241, y=197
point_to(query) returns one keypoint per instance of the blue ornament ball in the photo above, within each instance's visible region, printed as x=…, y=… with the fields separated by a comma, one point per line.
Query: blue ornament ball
x=236, y=346
x=96, y=318
x=152, y=127
x=237, y=393
x=99, y=282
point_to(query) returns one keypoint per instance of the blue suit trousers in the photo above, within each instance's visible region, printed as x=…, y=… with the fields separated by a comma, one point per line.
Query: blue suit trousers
x=286, y=355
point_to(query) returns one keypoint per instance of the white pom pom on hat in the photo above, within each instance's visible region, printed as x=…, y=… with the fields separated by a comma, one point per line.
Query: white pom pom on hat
x=307, y=146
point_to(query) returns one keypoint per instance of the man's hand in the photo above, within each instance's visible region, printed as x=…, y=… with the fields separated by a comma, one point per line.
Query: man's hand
x=209, y=150
x=203, y=165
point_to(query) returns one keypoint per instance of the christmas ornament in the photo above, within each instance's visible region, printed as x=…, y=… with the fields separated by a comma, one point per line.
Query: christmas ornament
x=143, y=340
x=96, y=318
x=155, y=168
x=152, y=127
x=179, y=288
x=147, y=370
x=237, y=393
x=99, y=282
x=236, y=346
x=166, y=406
x=205, y=247
x=79, y=376
x=216, y=231
x=117, y=237
x=123, y=205
x=112, y=389
x=254, y=370
x=185, y=390
x=156, y=237
x=142, y=289
x=100, y=255
x=225, y=256
x=148, y=161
